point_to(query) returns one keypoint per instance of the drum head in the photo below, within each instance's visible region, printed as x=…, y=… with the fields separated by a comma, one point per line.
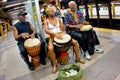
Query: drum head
x=32, y=42
x=85, y=28
x=66, y=39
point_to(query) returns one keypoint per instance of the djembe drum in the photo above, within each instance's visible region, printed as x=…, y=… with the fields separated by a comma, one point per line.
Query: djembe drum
x=33, y=47
x=88, y=35
x=61, y=48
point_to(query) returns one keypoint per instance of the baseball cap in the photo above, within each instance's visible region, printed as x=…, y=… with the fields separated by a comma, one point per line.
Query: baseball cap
x=22, y=13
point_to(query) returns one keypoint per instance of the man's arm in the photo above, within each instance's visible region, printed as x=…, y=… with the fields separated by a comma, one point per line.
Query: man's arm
x=20, y=36
x=15, y=32
x=33, y=31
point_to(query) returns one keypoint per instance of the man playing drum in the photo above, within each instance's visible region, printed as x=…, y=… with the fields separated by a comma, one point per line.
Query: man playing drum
x=54, y=27
x=23, y=30
x=74, y=20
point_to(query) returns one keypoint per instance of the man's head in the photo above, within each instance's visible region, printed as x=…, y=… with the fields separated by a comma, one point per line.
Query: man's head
x=22, y=16
x=72, y=5
x=45, y=5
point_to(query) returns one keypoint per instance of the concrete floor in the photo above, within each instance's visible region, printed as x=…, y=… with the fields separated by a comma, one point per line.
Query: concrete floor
x=102, y=66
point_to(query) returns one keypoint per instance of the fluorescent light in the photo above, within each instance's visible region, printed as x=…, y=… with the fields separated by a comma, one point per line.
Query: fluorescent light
x=14, y=5
x=4, y=0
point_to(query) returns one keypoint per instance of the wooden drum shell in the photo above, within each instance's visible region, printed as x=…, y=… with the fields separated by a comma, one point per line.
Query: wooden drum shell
x=34, y=52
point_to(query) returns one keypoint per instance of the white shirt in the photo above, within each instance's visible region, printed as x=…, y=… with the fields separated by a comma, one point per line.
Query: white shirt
x=53, y=28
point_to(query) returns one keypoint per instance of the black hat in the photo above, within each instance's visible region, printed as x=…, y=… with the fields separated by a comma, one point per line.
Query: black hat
x=22, y=13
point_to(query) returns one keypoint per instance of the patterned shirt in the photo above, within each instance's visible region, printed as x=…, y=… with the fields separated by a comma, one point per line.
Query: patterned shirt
x=73, y=19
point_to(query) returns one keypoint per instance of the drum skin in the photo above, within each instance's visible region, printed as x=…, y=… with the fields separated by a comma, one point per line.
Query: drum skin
x=62, y=45
x=33, y=47
x=86, y=28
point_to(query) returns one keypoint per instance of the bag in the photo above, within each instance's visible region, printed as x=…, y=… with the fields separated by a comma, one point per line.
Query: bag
x=79, y=75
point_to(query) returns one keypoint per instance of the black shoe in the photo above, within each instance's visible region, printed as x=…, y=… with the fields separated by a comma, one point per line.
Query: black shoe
x=43, y=62
x=31, y=67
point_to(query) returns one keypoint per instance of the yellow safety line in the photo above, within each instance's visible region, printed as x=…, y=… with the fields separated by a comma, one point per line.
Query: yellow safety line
x=107, y=30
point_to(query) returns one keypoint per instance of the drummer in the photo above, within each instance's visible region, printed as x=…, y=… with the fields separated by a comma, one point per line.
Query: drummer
x=54, y=27
x=74, y=20
x=23, y=30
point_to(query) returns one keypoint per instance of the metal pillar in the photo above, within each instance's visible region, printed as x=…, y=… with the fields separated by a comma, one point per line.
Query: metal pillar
x=110, y=13
x=86, y=10
x=98, y=15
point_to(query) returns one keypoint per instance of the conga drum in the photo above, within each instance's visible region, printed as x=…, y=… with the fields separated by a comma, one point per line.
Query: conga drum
x=87, y=33
x=61, y=48
x=33, y=47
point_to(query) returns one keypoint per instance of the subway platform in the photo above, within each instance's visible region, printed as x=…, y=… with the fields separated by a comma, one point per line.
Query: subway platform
x=105, y=66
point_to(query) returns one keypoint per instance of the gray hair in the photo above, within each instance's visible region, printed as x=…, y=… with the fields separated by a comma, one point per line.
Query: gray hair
x=71, y=2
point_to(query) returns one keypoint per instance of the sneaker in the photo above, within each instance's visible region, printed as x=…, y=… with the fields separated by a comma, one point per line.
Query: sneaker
x=98, y=50
x=87, y=56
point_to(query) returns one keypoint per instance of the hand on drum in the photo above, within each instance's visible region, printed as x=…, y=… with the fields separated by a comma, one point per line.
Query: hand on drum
x=25, y=35
x=32, y=36
x=59, y=36
x=79, y=26
x=85, y=23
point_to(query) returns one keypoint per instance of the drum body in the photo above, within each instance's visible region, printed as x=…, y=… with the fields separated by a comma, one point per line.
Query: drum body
x=61, y=48
x=33, y=47
x=89, y=38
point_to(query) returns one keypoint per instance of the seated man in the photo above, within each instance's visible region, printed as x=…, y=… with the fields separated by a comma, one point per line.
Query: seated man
x=23, y=30
x=74, y=20
x=53, y=26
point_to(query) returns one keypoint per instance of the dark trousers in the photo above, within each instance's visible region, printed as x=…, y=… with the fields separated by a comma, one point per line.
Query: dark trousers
x=79, y=37
x=84, y=37
x=96, y=40
x=91, y=40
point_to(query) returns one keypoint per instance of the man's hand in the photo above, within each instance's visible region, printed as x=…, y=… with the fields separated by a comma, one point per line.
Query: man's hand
x=25, y=35
x=80, y=25
x=32, y=36
x=86, y=23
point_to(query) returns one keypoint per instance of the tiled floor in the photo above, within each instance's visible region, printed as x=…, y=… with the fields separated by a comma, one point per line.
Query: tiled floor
x=102, y=66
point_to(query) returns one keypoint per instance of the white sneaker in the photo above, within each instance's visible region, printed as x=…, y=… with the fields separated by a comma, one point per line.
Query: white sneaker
x=87, y=56
x=98, y=50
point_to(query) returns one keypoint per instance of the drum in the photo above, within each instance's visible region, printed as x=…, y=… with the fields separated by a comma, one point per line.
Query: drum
x=87, y=32
x=62, y=45
x=61, y=48
x=33, y=47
